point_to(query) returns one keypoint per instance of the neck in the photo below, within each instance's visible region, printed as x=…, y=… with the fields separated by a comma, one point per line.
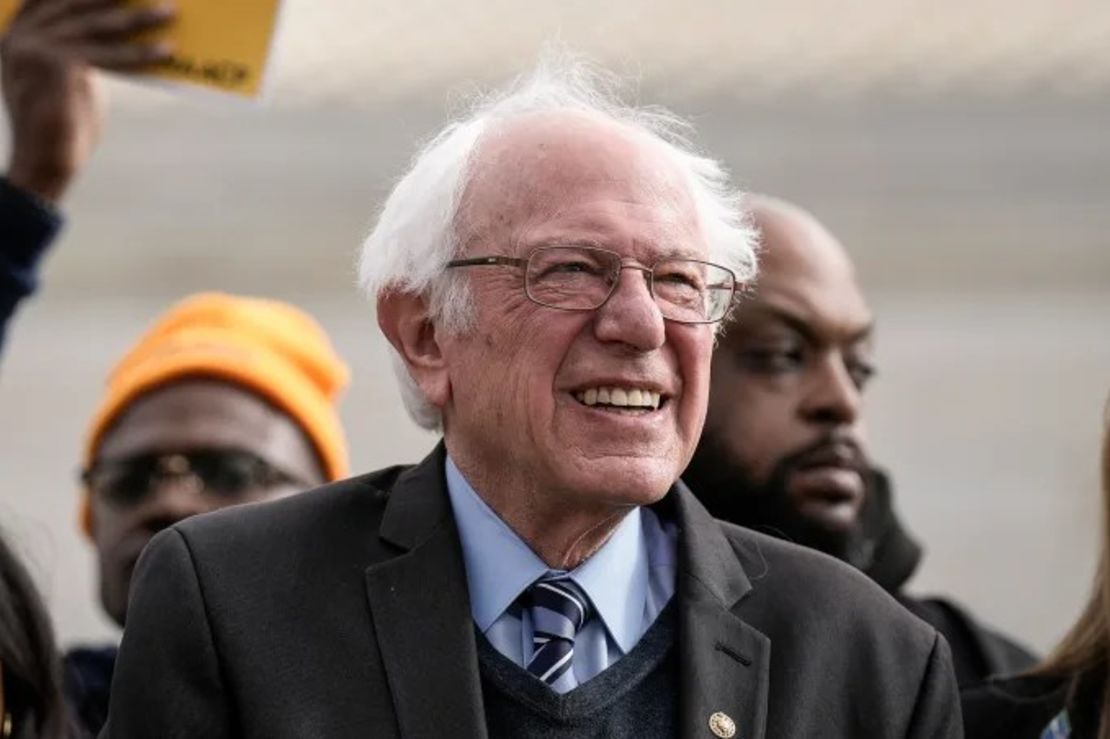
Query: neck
x=563, y=531
x=563, y=539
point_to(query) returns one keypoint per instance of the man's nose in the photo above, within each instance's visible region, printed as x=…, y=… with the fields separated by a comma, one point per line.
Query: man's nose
x=631, y=316
x=833, y=397
x=177, y=497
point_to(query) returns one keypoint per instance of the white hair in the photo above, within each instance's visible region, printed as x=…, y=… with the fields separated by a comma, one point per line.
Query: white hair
x=416, y=233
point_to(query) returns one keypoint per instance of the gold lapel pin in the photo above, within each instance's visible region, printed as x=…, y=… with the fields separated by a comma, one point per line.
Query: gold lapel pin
x=722, y=725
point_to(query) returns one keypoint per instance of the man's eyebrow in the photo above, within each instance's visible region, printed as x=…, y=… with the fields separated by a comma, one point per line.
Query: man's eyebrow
x=792, y=321
x=599, y=242
x=548, y=241
x=683, y=252
x=803, y=327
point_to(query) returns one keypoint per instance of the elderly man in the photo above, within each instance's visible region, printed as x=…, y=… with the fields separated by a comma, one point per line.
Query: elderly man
x=784, y=448
x=550, y=273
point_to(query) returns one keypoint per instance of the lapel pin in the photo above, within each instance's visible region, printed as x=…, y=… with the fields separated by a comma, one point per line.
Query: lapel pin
x=722, y=725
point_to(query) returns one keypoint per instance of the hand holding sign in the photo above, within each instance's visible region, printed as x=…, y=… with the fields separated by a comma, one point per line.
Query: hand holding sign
x=54, y=106
x=219, y=44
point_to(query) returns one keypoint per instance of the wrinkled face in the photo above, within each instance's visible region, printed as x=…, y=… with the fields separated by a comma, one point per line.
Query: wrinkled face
x=521, y=380
x=784, y=443
x=246, y=449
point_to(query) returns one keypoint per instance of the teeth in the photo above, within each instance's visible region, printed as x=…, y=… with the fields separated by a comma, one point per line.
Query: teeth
x=619, y=397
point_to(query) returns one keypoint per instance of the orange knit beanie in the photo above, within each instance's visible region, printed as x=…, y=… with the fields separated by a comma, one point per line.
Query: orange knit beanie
x=265, y=346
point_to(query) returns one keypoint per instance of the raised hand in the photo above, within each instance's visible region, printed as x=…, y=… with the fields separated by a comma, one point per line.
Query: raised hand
x=54, y=103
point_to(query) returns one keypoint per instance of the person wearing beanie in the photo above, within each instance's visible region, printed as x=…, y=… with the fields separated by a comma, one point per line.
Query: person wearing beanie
x=225, y=400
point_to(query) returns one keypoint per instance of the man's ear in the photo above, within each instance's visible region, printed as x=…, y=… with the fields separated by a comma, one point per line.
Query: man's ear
x=403, y=318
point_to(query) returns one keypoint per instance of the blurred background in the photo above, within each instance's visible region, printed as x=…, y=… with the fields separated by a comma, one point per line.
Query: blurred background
x=960, y=149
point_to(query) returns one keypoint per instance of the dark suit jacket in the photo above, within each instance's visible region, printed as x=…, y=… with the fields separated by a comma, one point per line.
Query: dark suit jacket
x=344, y=612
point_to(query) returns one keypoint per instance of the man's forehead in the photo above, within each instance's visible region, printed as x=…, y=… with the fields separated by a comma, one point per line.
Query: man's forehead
x=551, y=141
x=797, y=245
x=805, y=274
x=541, y=166
x=193, y=412
x=823, y=323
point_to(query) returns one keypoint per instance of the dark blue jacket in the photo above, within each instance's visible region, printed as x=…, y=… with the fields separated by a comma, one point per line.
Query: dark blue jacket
x=27, y=226
x=88, y=679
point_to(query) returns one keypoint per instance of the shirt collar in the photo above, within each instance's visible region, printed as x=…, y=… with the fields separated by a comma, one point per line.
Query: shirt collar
x=499, y=565
x=616, y=579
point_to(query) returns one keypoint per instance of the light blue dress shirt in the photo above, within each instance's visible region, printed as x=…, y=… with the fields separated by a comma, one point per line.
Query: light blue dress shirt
x=628, y=580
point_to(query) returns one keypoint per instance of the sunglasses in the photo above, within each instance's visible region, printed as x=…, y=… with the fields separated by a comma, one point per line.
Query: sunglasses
x=223, y=473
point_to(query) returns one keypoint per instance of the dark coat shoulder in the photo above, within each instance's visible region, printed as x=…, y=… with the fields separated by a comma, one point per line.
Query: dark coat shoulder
x=244, y=536
x=978, y=651
x=814, y=585
x=1013, y=708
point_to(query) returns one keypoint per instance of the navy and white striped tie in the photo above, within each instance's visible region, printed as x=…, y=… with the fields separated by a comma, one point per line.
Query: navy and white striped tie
x=558, y=609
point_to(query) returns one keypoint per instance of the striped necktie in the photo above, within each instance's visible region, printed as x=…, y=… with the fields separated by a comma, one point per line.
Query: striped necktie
x=558, y=609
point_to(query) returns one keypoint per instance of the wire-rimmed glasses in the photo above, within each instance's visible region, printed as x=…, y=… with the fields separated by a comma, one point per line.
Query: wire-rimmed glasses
x=582, y=278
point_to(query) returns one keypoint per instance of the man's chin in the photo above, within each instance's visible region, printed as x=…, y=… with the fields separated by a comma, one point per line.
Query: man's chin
x=830, y=498
x=627, y=478
x=835, y=517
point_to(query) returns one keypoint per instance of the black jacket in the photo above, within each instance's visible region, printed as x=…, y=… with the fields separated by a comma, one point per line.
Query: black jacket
x=1022, y=707
x=892, y=556
x=344, y=612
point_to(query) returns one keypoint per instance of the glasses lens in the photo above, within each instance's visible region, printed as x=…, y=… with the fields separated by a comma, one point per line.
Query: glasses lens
x=228, y=473
x=123, y=482
x=691, y=291
x=571, y=277
x=225, y=473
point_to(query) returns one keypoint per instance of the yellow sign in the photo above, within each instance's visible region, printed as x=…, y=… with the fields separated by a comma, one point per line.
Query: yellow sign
x=222, y=44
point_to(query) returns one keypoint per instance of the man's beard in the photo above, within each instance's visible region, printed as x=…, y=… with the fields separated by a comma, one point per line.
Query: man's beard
x=730, y=492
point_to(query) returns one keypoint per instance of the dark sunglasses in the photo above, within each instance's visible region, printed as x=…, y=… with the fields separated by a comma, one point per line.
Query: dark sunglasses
x=223, y=473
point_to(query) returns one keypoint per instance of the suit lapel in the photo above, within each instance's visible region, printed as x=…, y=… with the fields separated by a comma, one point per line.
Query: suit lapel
x=724, y=662
x=421, y=611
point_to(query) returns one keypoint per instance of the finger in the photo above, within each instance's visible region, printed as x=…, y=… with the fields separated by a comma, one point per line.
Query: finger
x=37, y=6
x=28, y=6
x=112, y=23
x=123, y=57
x=46, y=13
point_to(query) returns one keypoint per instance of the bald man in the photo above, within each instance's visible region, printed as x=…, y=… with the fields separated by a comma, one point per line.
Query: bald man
x=784, y=449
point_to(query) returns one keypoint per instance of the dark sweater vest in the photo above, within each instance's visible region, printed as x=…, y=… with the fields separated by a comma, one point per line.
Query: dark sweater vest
x=635, y=697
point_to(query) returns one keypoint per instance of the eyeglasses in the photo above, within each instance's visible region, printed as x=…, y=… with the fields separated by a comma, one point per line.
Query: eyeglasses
x=224, y=473
x=583, y=278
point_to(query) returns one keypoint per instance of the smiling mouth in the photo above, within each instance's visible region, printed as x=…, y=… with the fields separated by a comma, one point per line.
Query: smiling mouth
x=621, y=399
